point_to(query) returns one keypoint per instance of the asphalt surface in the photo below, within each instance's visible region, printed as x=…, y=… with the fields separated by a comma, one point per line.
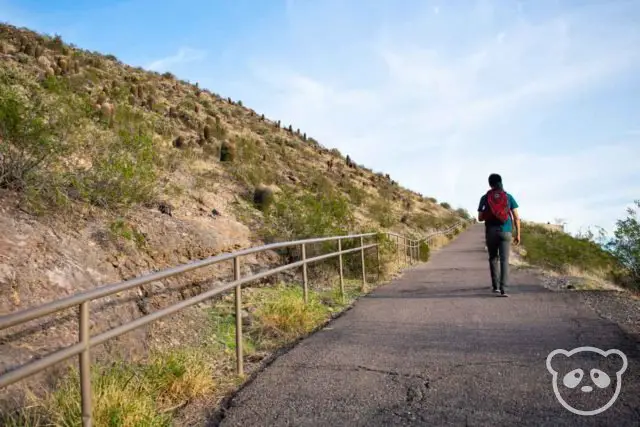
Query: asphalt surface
x=437, y=347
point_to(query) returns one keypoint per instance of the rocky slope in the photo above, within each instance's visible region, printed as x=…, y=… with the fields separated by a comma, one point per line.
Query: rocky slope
x=109, y=171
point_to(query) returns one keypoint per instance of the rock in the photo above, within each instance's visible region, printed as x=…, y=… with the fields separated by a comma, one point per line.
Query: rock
x=215, y=212
x=247, y=318
x=165, y=208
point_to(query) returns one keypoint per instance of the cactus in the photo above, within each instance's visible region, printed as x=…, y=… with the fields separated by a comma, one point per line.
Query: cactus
x=63, y=64
x=179, y=142
x=139, y=91
x=262, y=117
x=227, y=152
x=263, y=197
x=29, y=49
x=196, y=108
x=207, y=132
x=39, y=51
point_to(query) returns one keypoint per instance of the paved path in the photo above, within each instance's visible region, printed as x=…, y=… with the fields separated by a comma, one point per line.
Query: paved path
x=436, y=347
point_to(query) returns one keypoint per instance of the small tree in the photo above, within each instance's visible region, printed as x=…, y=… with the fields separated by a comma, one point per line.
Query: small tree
x=626, y=243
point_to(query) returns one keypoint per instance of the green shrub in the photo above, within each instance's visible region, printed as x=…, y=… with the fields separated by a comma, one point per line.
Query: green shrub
x=122, y=229
x=356, y=195
x=283, y=316
x=249, y=168
x=307, y=215
x=625, y=247
x=424, y=251
x=445, y=205
x=35, y=134
x=122, y=172
x=559, y=251
x=381, y=211
x=463, y=213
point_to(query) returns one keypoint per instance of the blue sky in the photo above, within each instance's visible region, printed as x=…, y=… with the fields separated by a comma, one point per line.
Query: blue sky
x=437, y=93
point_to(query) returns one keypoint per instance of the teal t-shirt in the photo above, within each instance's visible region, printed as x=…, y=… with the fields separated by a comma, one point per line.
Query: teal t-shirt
x=507, y=226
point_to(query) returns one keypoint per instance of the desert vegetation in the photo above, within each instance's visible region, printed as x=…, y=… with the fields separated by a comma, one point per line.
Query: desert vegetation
x=616, y=259
x=109, y=171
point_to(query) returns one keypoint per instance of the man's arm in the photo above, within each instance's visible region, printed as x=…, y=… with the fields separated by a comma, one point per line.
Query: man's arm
x=516, y=218
x=481, y=209
x=516, y=223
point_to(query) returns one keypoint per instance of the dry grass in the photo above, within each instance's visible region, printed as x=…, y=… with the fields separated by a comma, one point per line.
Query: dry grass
x=126, y=394
x=439, y=241
x=148, y=393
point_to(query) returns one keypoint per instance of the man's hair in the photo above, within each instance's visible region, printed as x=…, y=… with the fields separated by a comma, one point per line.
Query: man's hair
x=495, y=180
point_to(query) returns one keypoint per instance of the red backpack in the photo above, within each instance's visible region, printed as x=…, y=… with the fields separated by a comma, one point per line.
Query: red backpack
x=498, y=207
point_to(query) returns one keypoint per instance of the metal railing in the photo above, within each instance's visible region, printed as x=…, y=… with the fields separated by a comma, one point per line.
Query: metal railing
x=82, y=300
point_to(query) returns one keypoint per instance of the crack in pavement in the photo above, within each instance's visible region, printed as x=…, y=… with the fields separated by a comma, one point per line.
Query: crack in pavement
x=343, y=368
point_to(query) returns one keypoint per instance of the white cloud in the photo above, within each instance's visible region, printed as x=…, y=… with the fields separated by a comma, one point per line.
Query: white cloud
x=183, y=56
x=439, y=117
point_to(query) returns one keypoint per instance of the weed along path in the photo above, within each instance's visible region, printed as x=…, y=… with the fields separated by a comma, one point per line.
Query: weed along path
x=436, y=347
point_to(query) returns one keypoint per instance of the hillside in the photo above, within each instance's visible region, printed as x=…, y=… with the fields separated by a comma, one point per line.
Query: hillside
x=109, y=171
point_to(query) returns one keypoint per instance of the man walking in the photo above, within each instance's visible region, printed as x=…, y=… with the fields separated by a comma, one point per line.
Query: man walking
x=499, y=211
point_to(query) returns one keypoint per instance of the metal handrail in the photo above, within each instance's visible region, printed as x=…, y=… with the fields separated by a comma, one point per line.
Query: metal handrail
x=83, y=299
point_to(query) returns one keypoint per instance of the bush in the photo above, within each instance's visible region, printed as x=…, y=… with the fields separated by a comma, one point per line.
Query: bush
x=307, y=215
x=559, y=251
x=122, y=172
x=445, y=205
x=463, y=213
x=284, y=316
x=424, y=251
x=381, y=211
x=356, y=195
x=35, y=135
x=626, y=245
x=249, y=168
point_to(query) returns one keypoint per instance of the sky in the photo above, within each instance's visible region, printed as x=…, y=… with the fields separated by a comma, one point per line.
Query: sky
x=439, y=94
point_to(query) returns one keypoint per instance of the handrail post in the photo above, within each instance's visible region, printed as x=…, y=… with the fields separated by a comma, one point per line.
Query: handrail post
x=404, y=245
x=378, y=257
x=364, y=273
x=398, y=248
x=304, y=274
x=236, y=276
x=341, y=272
x=413, y=251
x=85, y=363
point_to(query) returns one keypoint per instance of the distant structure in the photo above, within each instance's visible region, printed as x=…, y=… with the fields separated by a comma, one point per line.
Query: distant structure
x=554, y=227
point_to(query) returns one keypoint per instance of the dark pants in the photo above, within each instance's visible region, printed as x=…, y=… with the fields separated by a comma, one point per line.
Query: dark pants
x=498, y=245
